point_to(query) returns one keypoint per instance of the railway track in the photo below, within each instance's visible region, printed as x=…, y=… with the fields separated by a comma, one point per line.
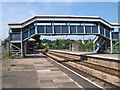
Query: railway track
x=70, y=62
x=105, y=69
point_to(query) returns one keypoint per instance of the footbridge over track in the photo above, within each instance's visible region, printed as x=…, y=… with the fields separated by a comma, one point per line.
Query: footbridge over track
x=51, y=25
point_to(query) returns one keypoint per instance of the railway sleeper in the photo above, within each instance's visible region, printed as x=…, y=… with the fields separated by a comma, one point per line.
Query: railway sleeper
x=91, y=72
x=91, y=65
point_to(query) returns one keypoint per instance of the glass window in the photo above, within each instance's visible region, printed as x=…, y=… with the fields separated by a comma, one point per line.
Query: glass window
x=88, y=29
x=115, y=35
x=57, y=29
x=49, y=29
x=15, y=36
x=107, y=33
x=65, y=29
x=25, y=34
x=80, y=29
x=32, y=31
x=73, y=29
x=94, y=29
x=102, y=30
x=40, y=29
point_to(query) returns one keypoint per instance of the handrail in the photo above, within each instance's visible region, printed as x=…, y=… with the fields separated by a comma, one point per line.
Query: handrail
x=15, y=46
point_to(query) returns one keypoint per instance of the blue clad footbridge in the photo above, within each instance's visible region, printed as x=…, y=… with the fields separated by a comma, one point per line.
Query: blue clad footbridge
x=51, y=25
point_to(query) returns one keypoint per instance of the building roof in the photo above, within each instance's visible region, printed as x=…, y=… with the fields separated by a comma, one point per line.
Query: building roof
x=65, y=17
x=31, y=40
x=116, y=24
x=62, y=16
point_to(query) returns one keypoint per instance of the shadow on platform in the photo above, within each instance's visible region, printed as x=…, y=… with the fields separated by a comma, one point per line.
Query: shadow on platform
x=35, y=54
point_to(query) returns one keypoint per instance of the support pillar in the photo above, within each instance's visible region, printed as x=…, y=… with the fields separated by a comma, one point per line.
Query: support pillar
x=40, y=40
x=83, y=44
x=69, y=27
x=21, y=43
x=84, y=28
x=119, y=41
x=106, y=46
x=93, y=46
x=24, y=48
x=53, y=27
x=36, y=28
x=111, y=47
x=9, y=44
x=98, y=28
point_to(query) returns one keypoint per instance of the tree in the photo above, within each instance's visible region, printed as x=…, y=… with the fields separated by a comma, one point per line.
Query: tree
x=63, y=44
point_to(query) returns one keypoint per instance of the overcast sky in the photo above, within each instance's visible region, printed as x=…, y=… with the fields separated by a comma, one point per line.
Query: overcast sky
x=20, y=11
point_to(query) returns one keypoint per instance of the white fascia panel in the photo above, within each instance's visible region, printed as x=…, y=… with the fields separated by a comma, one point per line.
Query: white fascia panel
x=115, y=26
x=66, y=19
x=105, y=23
x=15, y=26
x=27, y=23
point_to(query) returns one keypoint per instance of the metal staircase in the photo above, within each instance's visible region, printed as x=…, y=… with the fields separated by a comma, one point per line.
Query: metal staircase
x=101, y=45
x=15, y=51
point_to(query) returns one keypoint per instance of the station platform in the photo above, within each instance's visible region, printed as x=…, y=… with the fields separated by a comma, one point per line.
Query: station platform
x=34, y=71
x=91, y=54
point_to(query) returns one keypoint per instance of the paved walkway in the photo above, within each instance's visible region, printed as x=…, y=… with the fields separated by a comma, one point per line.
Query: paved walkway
x=34, y=72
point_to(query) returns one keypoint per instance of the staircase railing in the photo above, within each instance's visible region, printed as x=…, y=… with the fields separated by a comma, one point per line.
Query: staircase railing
x=99, y=45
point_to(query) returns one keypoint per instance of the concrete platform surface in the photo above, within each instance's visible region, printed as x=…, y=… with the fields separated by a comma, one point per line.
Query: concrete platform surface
x=34, y=72
x=107, y=56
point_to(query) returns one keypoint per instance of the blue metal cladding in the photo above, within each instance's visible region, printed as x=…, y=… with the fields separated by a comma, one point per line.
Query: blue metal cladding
x=96, y=47
x=25, y=34
x=32, y=31
x=49, y=29
x=15, y=36
x=80, y=29
x=100, y=41
x=73, y=29
x=57, y=29
x=94, y=29
x=115, y=35
x=88, y=29
x=102, y=30
x=107, y=33
x=40, y=29
x=65, y=29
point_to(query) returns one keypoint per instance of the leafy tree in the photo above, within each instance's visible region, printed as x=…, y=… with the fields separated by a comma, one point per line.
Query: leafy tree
x=63, y=44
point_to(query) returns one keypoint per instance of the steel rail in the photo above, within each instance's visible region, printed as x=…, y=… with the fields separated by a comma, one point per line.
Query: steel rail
x=83, y=73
